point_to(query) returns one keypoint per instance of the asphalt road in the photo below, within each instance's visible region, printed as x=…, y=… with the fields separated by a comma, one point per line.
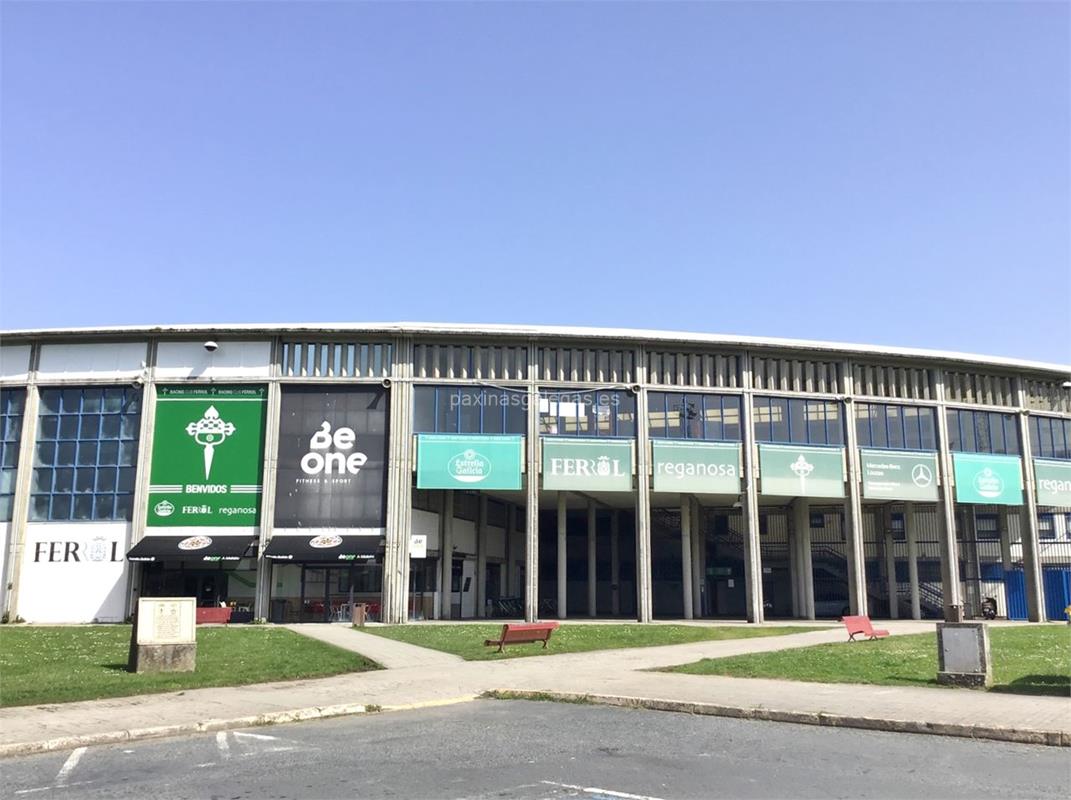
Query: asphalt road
x=531, y=750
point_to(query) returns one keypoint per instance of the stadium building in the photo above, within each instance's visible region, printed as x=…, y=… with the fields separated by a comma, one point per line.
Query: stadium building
x=454, y=471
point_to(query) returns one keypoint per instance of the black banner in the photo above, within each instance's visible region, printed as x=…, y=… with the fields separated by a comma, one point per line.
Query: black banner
x=332, y=458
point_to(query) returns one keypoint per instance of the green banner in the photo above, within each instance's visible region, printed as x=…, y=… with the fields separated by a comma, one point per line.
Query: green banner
x=894, y=475
x=207, y=456
x=1053, y=480
x=593, y=465
x=790, y=470
x=988, y=479
x=693, y=467
x=448, y=461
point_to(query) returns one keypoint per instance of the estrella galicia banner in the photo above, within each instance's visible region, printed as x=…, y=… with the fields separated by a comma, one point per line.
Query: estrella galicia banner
x=207, y=456
x=696, y=467
x=790, y=470
x=988, y=479
x=1053, y=482
x=593, y=465
x=448, y=461
x=332, y=458
x=895, y=475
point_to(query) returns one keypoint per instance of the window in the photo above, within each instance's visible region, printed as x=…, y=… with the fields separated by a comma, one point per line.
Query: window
x=899, y=532
x=987, y=526
x=818, y=519
x=469, y=409
x=86, y=454
x=778, y=419
x=982, y=432
x=884, y=425
x=12, y=404
x=603, y=413
x=1046, y=526
x=1050, y=437
x=694, y=416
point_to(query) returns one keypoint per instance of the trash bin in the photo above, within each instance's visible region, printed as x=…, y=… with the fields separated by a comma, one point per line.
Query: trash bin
x=360, y=611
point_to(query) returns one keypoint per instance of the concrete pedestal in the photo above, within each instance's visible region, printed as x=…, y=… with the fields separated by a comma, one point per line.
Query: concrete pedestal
x=963, y=655
x=162, y=657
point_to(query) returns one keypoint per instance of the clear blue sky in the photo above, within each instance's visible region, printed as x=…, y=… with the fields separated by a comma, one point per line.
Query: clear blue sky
x=890, y=173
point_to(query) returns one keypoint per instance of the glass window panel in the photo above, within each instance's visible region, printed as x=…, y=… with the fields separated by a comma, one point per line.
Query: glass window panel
x=424, y=409
x=6, y=501
x=106, y=480
x=124, y=506
x=966, y=430
x=896, y=427
x=731, y=418
x=109, y=426
x=48, y=427
x=128, y=426
x=108, y=453
x=1011, y=436
x=983, y=442
x=1061, y=434
x=65, y=452
x=46, y=453
x=15, y=401
x=128, y=453
x=84, y=478
x=103, y=506
x=656, y=414
x=625, y=408
x=1035, y=436
x=87, y=454
x=912, y=436
x=834, y=428
x=713, y=427
x=132, y=401
x=61, y=506
x=954, y=442
x=83, y=507
x=68, y=428
x=50, y=401
x=113, y=400
x=90, y=427
x=816, y=422
x=42, y=480
x=494, y=404
x=878, y=432
x=928, y=425
x=7, y=481
x=447, y=411
x=996, y=428
x=797, y=420
x=8, y=456
x=126, y=479
x=862, y=424
x=70, y=401
x=516, y=416
x=675, y=416
x=64, y=480
x=779, y=419
x=12, y=427
x=92, y=401
x=39, y=507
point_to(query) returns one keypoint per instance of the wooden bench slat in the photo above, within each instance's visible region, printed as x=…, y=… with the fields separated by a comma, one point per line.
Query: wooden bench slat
x=523, y=632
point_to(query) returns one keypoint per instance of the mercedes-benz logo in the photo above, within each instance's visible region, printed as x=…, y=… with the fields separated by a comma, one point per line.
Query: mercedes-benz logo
x=921, y=476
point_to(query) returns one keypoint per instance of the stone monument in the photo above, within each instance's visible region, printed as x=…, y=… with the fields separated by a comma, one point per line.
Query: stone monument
x=963, y=655
x=164, y=638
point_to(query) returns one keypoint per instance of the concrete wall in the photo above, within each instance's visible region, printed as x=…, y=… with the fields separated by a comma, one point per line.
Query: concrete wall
x=233, y=360
x=115, y=360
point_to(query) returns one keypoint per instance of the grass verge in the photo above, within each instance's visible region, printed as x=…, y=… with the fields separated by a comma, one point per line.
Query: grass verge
x=1026, y=660
x=467, y=640
x=62, y=664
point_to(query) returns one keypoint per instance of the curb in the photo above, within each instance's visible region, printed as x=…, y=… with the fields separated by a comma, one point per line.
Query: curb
x=1016, y=735
x=210, y=725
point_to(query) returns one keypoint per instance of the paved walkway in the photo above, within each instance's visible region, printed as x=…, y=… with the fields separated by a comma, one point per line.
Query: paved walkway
x=419, y=678
x=385, y=652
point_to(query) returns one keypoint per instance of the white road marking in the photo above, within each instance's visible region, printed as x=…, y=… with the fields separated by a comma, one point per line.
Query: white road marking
x=206, y=764
x=68, y=766
x=223, y=745
x=261, y=736
x=594, y=790
x=51, y=788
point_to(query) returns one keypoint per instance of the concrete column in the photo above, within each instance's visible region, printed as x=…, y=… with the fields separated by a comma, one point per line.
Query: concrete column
x=507, y=572
x=21, y=501
x=446, y=553
x=794, y=571
x=801, y=513
x=750, y=501
x=399, y=523
x=140, y=511
x=853, y=508
x=481, y=557
x=644, y=602
x=531, y=519
x=950, y=585
x=686, y=555
x=592, y=555
x=269, y=477
x=563, y=555
x=1005, y=538
x=890, y=563
x=698, y=558
x=615, y=562
x=911, y=532
x=1028, y=525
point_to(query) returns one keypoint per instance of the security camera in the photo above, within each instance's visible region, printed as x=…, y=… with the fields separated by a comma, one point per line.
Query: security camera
x=211, y=346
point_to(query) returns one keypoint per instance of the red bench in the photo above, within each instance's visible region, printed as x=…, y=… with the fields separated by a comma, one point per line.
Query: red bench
x=519, y=633
x=213, y=614
x=861, y=626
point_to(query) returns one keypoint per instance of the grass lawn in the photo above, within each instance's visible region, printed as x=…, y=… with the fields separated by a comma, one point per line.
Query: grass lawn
x=1026, y=660
x=61, y=664
x=467, y=640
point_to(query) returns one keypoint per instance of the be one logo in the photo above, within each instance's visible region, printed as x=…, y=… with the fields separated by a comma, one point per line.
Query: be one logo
x=469, y=467
x=317, y=461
